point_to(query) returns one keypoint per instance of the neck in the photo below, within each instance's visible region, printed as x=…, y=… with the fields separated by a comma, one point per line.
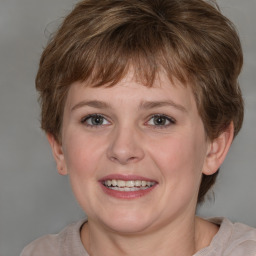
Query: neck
x=182, y=238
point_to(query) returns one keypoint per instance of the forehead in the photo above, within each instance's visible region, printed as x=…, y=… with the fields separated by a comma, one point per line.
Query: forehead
x=132, y=91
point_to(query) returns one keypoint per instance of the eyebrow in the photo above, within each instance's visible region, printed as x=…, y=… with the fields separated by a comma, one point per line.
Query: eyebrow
x=158, y=104
x=144, y=105
x=92, y=103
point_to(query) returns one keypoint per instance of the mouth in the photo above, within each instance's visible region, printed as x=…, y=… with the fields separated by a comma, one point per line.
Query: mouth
x=128, y=185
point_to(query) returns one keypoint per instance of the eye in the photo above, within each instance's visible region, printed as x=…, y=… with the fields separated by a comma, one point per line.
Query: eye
x=95, y=120
x=160, y=120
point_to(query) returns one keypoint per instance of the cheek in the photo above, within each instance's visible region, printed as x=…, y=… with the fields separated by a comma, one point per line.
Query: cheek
x=180, y=156
x=179, y=159
x=82, y=154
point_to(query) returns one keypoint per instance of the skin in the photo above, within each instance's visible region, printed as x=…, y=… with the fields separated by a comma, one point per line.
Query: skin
x=128, y=141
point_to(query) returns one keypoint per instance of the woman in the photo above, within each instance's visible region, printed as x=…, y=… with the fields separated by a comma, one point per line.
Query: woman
x=140, y=104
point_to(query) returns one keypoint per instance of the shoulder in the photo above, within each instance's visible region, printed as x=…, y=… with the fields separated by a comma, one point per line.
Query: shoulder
x=242, y=240
x=62, y=244
x=46, y=245
x=235, y=239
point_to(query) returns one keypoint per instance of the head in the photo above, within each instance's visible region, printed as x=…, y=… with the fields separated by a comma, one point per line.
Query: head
x=99, y=42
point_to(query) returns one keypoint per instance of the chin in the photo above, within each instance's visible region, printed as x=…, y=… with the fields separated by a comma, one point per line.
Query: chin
x=128, y=227
x=127, y=223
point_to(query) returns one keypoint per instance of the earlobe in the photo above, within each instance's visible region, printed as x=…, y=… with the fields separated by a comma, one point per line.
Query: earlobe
x=218, y=150
x=57, y=154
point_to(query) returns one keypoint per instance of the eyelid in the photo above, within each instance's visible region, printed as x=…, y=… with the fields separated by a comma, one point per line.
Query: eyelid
x=87, y=117
x=170, y=119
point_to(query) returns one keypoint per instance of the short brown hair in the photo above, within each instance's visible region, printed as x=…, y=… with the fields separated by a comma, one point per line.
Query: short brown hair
x=190, y=39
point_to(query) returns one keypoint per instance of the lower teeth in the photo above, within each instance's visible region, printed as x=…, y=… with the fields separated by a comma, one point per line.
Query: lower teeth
x=128, y=189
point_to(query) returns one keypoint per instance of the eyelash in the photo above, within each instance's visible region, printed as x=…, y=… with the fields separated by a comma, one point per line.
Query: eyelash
x=86, y=118
x=102, y=117
x=171, y=121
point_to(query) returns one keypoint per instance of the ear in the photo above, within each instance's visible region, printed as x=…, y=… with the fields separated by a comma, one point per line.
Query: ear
x=217, y=150
x=57, y=154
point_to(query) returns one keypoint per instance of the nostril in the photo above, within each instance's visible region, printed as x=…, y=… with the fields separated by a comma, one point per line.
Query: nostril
x=131, y=158
x=114, y=159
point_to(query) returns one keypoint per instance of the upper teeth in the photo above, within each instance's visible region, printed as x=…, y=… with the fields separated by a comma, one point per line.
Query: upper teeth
x=129, y=183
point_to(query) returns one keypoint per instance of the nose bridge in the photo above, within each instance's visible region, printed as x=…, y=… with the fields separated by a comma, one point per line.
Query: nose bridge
x=125, y=145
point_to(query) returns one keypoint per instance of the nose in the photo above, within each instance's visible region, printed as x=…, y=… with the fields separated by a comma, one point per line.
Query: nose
x=126, y=146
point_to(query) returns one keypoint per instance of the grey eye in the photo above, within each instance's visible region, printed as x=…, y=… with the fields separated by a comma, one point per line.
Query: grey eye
x=95, y=120
x=160, y=120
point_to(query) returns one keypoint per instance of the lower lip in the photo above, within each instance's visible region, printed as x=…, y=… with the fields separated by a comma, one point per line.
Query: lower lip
x=126, y=194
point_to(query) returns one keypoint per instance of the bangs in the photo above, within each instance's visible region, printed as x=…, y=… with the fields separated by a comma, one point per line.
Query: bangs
x=104, y=60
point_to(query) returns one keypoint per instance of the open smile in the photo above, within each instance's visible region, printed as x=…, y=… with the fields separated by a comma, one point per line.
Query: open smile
x=127, y=187
x=130, y=185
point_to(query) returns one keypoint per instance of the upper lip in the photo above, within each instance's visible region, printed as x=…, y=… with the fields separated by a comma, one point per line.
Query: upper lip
x=125, y=177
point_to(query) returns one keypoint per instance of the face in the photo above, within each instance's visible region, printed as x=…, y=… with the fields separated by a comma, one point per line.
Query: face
x=135, y=155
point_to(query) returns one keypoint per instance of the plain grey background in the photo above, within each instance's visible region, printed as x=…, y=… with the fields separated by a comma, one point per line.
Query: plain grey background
x=34, y=199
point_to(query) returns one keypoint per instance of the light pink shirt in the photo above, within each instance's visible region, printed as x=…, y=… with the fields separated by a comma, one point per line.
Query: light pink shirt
x=231, y=240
